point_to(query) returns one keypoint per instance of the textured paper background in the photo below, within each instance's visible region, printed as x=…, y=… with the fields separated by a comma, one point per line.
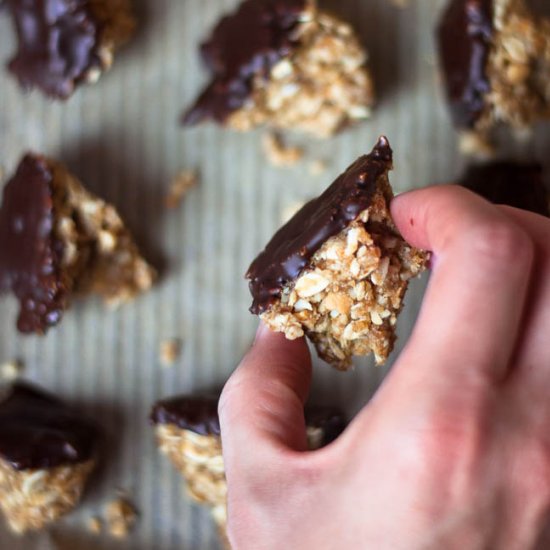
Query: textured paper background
x=122, y=139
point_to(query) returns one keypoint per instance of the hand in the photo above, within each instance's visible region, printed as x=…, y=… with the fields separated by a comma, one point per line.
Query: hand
x=453, y=451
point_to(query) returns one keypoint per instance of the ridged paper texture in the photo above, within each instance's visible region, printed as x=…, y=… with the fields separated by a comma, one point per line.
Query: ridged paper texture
x=122, y=139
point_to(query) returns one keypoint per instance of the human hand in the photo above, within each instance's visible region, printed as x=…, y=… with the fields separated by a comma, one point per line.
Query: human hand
x=453, y=451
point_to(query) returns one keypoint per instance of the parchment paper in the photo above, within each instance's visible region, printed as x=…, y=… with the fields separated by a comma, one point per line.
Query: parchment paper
x=122, y=138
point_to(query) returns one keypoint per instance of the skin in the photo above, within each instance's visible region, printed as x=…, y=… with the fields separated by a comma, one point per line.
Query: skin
x=453, y=451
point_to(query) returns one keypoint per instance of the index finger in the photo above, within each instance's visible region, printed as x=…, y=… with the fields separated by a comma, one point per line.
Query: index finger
x=468, y=325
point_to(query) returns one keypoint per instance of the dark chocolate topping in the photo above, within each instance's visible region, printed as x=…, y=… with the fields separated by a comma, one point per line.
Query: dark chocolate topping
x=244, y=44
x=200, y=415
x=38, y=431
x=57, y=44
x=292, y=247
x=197, y=414
x=30, y=255
x=464, y=36
x=513, y=184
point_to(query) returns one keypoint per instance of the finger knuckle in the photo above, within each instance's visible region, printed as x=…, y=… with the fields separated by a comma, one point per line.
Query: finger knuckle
x=501, y=242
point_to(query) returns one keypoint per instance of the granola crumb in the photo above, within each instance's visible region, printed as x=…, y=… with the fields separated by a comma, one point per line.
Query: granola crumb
x=180, y=185
x=476, y=145
x=94, y=525
x=11, y=370
x=317, y=167
x=121, y=516
x=400, y=3
x=278, y=153
x=170, y=351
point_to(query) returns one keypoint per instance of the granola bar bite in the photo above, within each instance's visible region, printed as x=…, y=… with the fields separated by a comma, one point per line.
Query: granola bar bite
x=63, y=43
x=285, y=64
x=338, y=270
x=58, y=240
x=47, y=452
x=188, y=431
x=495, y=56
x=514, y=184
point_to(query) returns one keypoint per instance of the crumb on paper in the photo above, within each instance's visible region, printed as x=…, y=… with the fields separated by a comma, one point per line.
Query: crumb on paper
x=94, y=525
x=476, y=145
x=180, y=185
x=11, y=370
x=317, y=167
x=401, y=3
x=120, y=516
x=170, y=351
x=290, y=209
x=278, y=153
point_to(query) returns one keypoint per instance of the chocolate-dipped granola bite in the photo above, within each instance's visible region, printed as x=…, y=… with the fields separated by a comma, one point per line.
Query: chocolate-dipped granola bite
x=47, y=451
x=63, y=43
x=285, y=64
x=187, y=431
x=338, y=270
x=57, y=240
x=514, y=184
x=495, y=57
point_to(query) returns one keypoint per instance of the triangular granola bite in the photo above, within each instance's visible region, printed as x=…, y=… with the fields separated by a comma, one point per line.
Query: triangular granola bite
x=285, y=64
x=58, y=240
x=338, y=270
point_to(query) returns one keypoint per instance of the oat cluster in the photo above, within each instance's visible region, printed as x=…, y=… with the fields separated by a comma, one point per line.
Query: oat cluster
x=321, y=87
x=31, y=499
x=199, y=458
x=348, y=299
x=99, y=254
x=118, y=25
x=518, y=69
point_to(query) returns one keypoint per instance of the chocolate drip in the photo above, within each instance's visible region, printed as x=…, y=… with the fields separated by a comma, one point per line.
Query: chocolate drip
x=58, y=41
x=291, y=248
x=513, y=184
x=464, y=36
x=30, y=255
x=245, y=44
x=38, y=431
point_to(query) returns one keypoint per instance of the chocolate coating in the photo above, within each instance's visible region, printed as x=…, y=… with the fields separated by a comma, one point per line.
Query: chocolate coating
x=199, y=414
x=464, y=38
x=58, y=42
x=514, y=184
x=243, y=45
x=38, y=431
x=30, y=254
x=291, y=248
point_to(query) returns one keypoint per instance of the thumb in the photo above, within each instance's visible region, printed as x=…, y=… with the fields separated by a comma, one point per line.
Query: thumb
x=262, y=405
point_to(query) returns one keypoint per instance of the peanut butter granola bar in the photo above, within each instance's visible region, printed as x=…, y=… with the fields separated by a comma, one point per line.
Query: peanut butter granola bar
x=520, y=185
x=188, y=432
x=285, y=64
x=338, y=270
x=63, y=43
x=58, y=240
x=47, y=452
x=495, y=55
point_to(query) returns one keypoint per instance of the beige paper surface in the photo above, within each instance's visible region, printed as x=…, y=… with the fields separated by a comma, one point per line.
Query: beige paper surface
x=122, y=138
